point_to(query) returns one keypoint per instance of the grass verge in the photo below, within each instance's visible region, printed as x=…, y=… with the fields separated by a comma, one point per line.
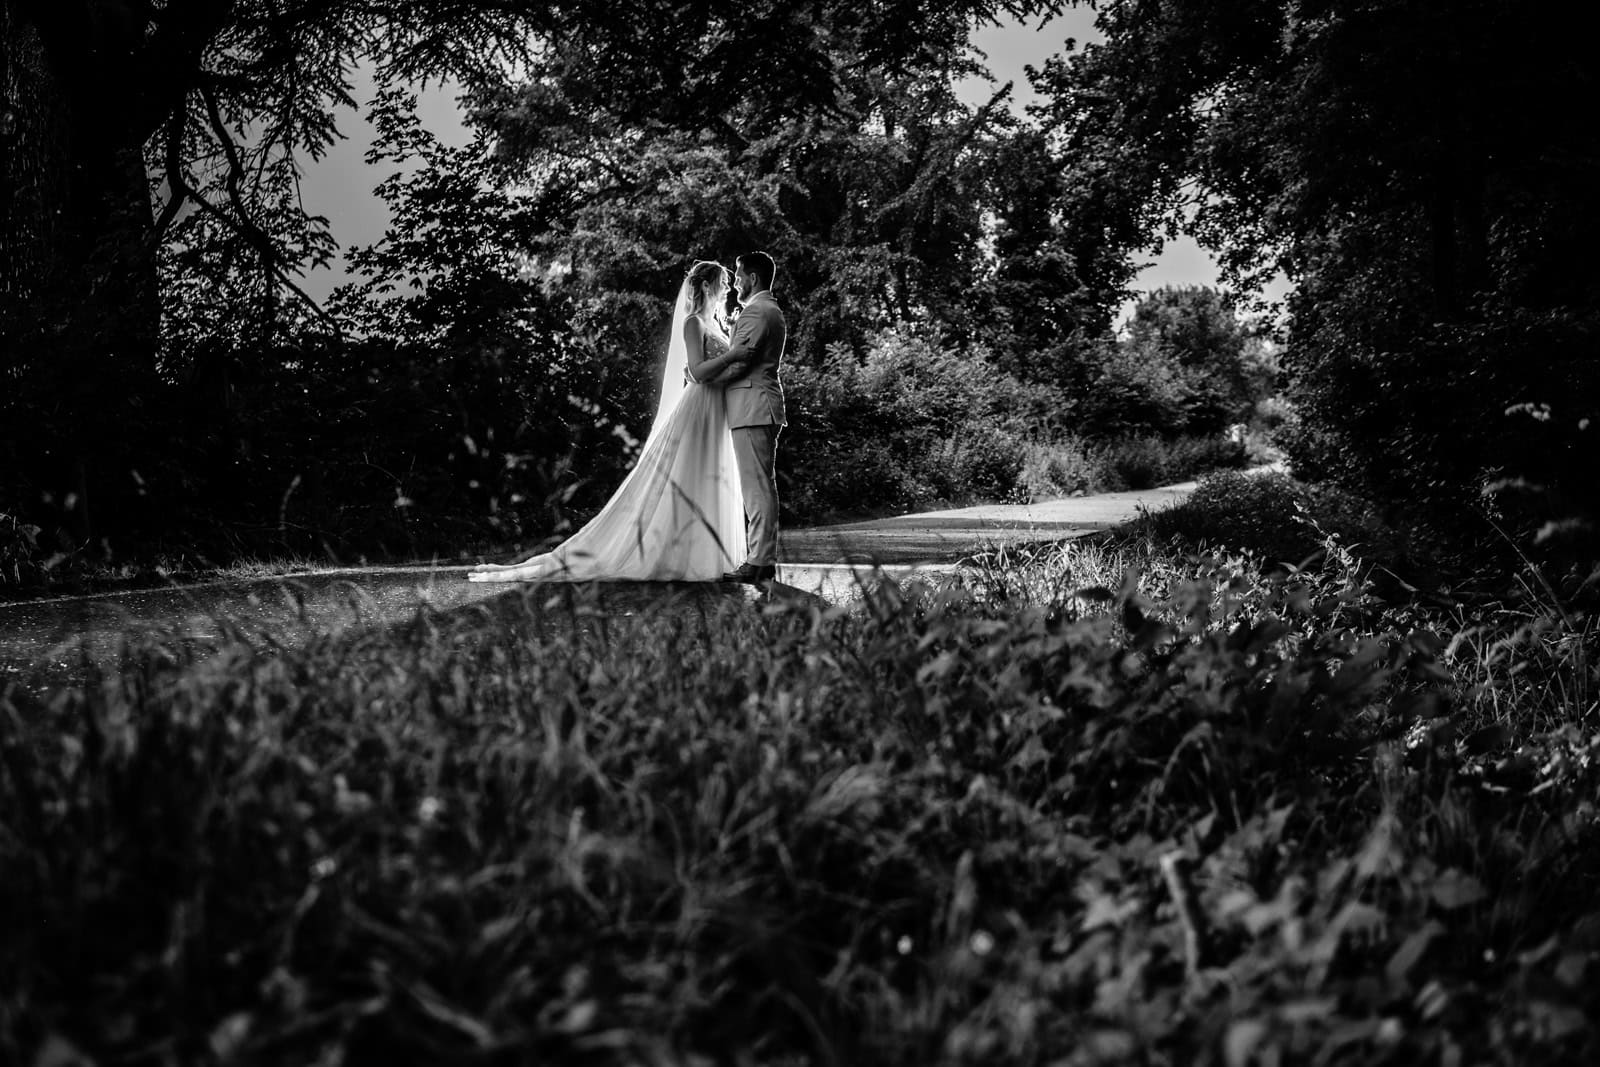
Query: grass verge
x=1110, y=804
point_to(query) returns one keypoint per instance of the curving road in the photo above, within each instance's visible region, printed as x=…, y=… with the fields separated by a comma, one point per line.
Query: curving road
x=50, y=640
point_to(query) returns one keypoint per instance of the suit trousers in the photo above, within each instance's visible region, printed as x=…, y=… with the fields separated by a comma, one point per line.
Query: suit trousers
x=756, y=450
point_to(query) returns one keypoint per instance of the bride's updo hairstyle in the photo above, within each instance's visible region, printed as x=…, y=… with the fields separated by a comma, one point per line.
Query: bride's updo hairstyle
x=705, y=277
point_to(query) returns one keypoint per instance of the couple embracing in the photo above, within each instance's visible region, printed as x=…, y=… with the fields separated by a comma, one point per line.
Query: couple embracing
x=701, y=503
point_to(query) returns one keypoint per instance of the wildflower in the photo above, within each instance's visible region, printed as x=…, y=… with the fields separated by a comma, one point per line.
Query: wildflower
x=428, y=809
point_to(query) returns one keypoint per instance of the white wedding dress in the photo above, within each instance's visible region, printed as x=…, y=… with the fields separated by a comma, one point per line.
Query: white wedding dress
x=679, y=514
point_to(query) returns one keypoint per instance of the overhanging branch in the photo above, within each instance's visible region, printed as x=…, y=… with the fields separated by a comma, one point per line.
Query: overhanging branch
x=239, y=220
x=176, y=186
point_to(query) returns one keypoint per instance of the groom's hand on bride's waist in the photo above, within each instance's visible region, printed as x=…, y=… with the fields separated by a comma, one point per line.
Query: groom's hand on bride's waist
x=730, y=372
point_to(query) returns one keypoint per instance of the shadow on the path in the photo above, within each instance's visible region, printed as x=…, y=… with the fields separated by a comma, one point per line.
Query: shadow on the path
x=45, y=645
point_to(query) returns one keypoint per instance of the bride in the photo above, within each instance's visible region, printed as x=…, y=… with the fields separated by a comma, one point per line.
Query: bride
x=678, y=515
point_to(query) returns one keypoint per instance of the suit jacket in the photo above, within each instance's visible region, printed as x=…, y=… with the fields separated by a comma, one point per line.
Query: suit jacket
x=755, y=398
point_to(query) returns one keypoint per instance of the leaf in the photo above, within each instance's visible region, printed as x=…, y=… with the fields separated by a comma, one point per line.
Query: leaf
x=57, y=1051
x=939, y=668
x=855, y=789
x=1554, y=1021
x=1359, y=670
x=1356, y=924
x=1455, y=889
x=440, y=1010
x=1347, y=1033
x=1234, y=904
x=229, y=1036
x=1308, y=1010
x=1106, y=910
x=1571, y=968
x=1411, y=951
x=1381, y=856
x=1110, y=1046
x=1241, y=1041
x=963, y=899
x=1033, y=753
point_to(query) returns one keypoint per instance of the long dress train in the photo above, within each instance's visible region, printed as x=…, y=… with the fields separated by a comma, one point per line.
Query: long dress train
x=678, y=515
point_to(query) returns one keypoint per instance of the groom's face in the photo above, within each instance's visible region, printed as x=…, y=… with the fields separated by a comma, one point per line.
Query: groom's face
x=744, y=282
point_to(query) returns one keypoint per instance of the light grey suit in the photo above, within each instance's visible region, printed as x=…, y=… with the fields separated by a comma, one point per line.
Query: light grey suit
x=756, y=415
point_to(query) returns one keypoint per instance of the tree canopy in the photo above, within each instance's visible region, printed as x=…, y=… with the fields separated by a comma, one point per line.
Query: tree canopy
x=1399, y=165
x=126, y=114
x=1412, y=171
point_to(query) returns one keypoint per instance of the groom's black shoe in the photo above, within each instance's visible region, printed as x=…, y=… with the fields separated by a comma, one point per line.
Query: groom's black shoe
x=752, y=574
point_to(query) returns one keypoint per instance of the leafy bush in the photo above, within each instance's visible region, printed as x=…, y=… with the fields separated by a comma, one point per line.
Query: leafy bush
x=1135, y=463
x=982, y=463
x=1271, y=412
x=1074, y=465
x=1144, y=462
x=1274, y=516
x=912, y=423
x=1186, y=366
x=1127, y=392
x=1253, y=512
x=1069, y=466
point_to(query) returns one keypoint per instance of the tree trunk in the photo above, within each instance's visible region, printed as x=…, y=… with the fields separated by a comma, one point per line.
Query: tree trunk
x=81, y=303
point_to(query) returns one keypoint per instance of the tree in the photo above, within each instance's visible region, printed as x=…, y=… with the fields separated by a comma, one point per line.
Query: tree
x=216, y=95
x=1195, y=329
x=1033, y=310
x=870, y=193
x=97, y=83
x=1403, y=166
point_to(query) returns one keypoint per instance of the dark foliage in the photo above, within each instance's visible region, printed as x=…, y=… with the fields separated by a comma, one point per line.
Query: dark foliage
x=1166, y=819
x=218, y=102
x=1407, y=169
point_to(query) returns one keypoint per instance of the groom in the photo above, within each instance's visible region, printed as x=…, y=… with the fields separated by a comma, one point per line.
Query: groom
x=755, y=412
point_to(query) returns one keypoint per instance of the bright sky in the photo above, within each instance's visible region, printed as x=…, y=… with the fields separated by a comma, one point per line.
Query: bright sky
x=340, y=184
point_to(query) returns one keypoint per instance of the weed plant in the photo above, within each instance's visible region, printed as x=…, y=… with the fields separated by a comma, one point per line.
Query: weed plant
x=1104, y=804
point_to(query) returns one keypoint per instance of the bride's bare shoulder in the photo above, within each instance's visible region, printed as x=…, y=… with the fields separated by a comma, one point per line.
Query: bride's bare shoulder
x=692, y=330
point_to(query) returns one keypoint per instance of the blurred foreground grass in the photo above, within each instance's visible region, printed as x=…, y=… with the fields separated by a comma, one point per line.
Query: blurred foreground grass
x=1105, y=804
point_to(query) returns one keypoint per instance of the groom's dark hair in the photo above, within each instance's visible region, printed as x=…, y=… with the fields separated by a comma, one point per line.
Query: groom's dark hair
x=760, y=264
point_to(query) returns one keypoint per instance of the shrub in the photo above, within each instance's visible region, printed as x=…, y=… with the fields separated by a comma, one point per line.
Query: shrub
x=1276, y=517
x=1271, y=412
x=19, y=551
x=1074, y=465
x=1065, y=467
x=840, y=479
x=1420, y=414
x=982, y=464
x=912, y=422
x=1129, y=393
x=1135, y=463
x=1253, y=512
x=1140, y=463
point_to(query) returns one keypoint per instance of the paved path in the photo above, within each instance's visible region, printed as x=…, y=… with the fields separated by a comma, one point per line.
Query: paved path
x=828, y=562
x=945, y=536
